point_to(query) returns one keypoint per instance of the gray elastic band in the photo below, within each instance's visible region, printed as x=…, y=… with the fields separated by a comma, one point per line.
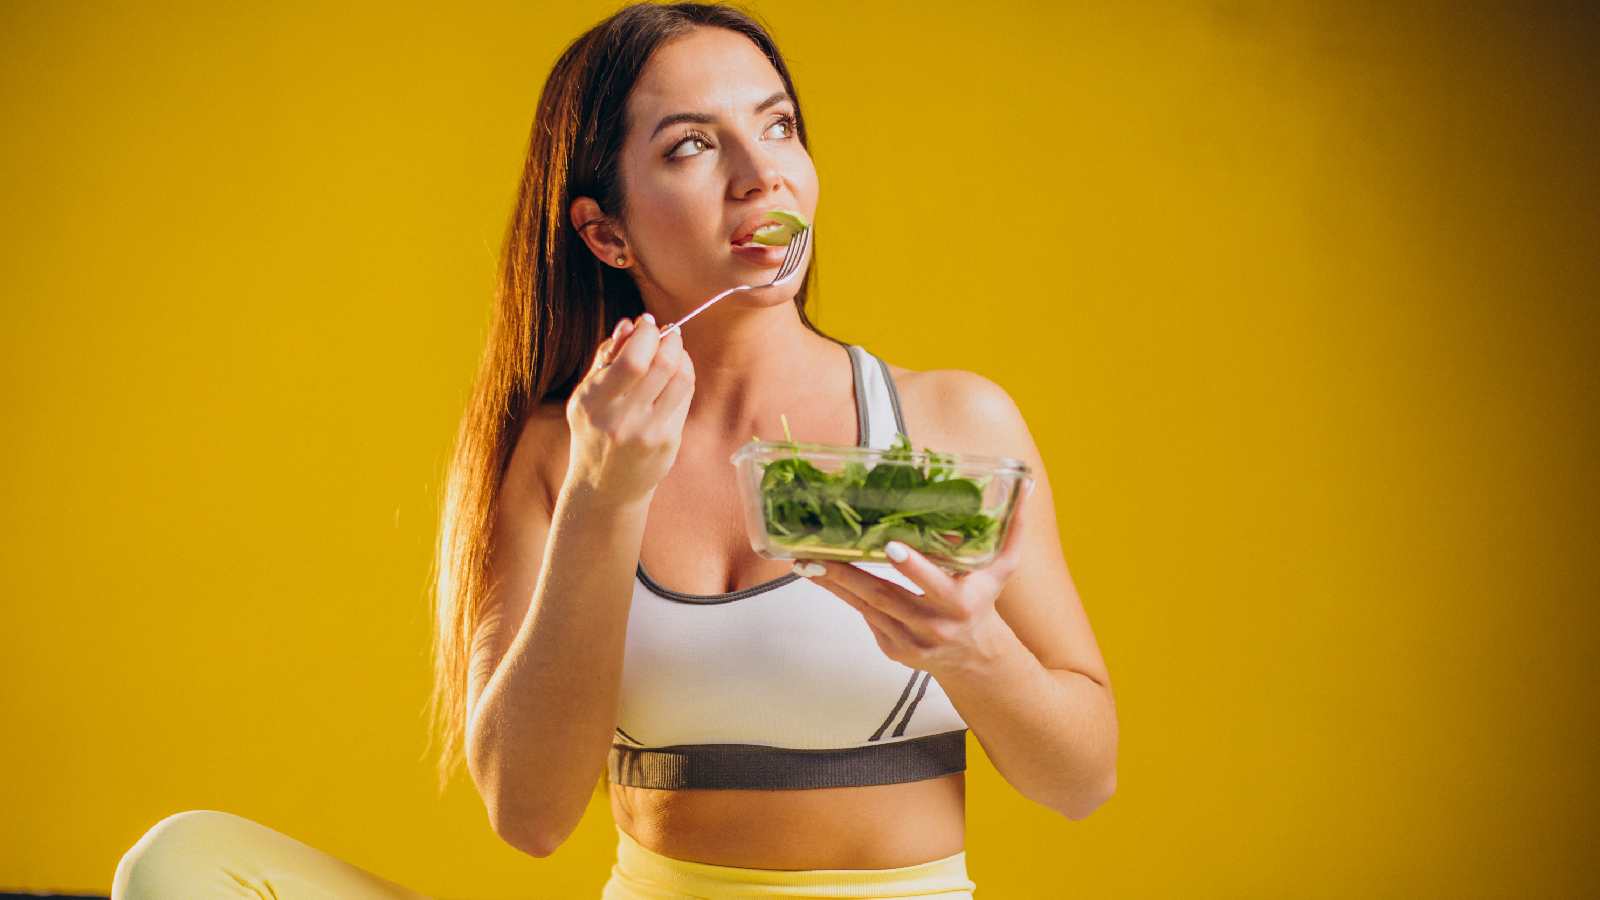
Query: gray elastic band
x=758, y=767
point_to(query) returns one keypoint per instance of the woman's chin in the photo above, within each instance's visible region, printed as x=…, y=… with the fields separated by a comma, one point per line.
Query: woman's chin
x=761, y=293
x=768, y=296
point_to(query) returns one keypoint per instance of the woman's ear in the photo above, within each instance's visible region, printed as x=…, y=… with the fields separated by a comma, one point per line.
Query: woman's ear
x=598, y=230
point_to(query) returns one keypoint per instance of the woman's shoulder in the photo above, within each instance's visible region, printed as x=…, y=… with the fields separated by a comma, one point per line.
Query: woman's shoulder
x=945, y=408
x=539, y=454
x=945, y=384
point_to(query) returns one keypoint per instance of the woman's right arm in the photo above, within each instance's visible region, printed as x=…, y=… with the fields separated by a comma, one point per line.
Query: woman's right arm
x=540, y=730
x=546, y=673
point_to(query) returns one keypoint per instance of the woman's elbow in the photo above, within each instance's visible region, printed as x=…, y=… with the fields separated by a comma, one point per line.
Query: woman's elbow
x=1080, y=806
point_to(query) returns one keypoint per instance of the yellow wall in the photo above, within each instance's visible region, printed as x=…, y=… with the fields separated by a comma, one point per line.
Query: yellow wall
x=1299, y=300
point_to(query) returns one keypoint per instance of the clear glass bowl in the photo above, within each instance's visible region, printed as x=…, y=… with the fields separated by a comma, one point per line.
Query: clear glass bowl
x=823, y=501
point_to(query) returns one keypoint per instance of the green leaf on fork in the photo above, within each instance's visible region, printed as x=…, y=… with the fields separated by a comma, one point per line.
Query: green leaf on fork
x=776, y=234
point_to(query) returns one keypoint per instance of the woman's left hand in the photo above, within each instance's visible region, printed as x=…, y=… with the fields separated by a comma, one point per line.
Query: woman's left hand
x=952, y=623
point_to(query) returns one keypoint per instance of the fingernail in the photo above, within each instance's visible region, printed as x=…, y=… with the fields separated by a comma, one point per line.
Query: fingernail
x=649, y=318
x=617, y=331
x=809, y=569
x=897, y=551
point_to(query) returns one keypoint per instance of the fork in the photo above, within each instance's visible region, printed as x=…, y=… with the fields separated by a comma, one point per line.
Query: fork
x=791, y=265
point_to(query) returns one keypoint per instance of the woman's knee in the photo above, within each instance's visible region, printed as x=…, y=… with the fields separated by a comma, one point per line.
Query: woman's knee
x=179, y=853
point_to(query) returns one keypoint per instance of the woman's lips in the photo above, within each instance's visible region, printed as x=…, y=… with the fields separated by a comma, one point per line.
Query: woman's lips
x=760, y=253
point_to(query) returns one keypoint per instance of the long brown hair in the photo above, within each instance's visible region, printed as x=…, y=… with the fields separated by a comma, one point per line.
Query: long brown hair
x=555, y=302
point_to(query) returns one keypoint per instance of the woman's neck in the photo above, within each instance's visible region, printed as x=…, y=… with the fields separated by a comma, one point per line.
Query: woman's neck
x=753, y=368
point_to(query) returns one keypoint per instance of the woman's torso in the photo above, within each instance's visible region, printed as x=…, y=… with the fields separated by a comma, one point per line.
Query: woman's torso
x=694, y=543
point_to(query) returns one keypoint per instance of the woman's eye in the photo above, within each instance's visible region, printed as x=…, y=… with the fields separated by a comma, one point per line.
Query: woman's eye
x=788, y=123
x=695, y=137
x=692, y=138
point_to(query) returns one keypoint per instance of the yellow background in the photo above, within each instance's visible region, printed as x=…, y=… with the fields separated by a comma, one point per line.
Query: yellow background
x=1299, y=301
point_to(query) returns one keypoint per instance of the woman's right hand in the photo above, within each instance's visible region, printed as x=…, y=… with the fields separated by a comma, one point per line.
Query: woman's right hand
x=626, y=416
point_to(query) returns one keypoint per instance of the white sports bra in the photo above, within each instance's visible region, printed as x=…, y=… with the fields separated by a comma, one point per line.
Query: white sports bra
x=781, y=685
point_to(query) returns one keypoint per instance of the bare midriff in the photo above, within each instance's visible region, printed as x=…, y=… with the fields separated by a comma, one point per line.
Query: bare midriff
x=873, y=827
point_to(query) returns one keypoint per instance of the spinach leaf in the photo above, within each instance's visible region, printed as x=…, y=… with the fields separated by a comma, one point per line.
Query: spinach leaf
x=857, y=510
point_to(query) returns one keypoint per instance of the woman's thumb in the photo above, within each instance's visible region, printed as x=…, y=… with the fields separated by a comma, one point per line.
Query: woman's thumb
x=607, y=351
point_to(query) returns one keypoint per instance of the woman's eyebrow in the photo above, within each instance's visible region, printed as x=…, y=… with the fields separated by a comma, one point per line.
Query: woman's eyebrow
x=705, y=119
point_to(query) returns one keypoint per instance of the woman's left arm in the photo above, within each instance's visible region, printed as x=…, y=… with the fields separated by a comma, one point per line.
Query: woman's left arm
x=1009, y=643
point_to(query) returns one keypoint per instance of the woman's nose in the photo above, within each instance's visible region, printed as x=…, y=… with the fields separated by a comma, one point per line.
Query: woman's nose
x=759, y=170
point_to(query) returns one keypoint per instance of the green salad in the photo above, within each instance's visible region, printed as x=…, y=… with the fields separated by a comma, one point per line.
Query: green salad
x=855, y=510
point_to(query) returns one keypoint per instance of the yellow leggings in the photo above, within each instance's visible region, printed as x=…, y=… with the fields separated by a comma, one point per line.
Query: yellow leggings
x=643, y=874
x=205, y=854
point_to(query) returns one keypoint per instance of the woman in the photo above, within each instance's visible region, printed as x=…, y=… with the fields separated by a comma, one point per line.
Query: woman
x=760, y=730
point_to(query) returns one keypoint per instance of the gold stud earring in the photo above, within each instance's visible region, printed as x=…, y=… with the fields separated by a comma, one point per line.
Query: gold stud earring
x=621, y=260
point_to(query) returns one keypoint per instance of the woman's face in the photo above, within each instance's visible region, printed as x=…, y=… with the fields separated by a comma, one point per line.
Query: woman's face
x=695, y=184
